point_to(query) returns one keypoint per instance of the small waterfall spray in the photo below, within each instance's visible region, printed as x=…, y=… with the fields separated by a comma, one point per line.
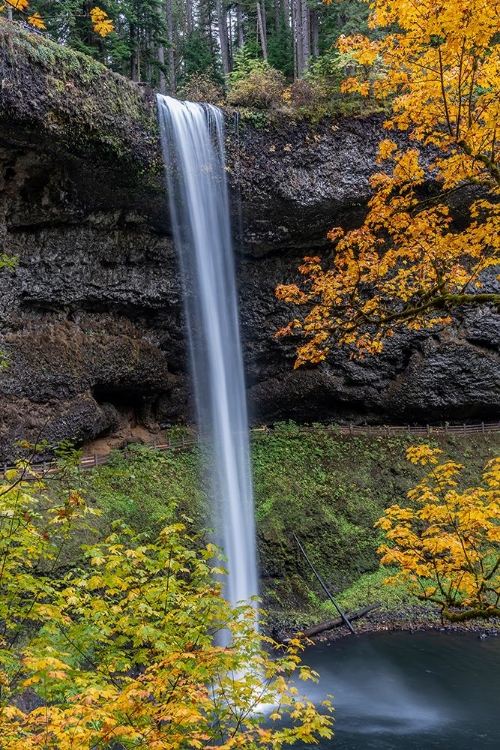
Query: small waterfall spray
x=193, y=146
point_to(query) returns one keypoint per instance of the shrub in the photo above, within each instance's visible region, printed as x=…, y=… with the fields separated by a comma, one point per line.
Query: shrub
x=300, y=93
x=262, y=88
x=123, y=652
x=200, y=87
x=253, y=82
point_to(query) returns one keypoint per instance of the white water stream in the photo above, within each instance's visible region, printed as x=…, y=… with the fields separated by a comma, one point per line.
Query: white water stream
x=193, y=147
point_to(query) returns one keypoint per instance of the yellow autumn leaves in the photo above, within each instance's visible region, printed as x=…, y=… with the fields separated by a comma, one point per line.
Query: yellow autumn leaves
x=103, y=25
x=408, y=264
x=446, y=543
x=121, y=648
x=101, y=22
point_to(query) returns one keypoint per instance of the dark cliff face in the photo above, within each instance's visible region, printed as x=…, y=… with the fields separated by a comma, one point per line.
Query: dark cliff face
x=293, y=183
x=92, y=315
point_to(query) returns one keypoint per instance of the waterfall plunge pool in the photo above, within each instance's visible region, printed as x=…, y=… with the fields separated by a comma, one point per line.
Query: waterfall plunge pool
x=403, y=691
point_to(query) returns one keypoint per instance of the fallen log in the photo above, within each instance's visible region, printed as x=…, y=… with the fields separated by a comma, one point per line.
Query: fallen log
x=322, y=626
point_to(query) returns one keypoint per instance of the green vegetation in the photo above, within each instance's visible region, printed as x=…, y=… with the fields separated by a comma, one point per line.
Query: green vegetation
x=164, y=43
x=371, y=588
x=328, y=489
x=175, y=47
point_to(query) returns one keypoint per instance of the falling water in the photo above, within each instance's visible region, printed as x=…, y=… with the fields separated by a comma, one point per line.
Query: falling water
x=193, y=146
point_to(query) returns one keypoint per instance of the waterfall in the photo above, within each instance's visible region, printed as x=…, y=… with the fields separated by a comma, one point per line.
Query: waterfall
x=193, y=146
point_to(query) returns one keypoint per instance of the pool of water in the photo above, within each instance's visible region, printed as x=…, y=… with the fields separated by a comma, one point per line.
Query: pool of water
x=402, y=691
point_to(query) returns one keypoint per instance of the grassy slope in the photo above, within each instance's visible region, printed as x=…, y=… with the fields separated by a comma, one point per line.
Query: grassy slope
x=329, y=491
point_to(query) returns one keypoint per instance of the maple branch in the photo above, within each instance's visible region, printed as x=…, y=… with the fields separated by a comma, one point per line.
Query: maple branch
x=459, y=89
x=443, y=92
x=485, y=613
x=490, y=165
x=493, y=570
x=436, y=303
x=471, y=89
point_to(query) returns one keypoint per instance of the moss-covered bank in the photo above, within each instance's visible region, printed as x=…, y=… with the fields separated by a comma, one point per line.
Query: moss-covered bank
x=50, y=90
x=328, y=490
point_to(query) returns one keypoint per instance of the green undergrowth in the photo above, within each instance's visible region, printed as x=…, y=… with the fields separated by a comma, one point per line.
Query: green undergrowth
x=370, y=588
x=327, y=489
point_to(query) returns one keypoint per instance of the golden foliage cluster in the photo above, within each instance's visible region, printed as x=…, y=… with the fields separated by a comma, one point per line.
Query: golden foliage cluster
x=124, y=650
x=446, y=543
x=103, y=25
x=101, y=22
x=408, y=265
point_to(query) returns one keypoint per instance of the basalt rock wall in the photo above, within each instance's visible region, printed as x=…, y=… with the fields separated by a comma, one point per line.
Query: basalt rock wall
x=91, y=316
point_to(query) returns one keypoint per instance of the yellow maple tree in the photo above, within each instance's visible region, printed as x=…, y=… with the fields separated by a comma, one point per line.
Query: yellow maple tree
x=409, y=264
x=122, y=651
x=446, y=543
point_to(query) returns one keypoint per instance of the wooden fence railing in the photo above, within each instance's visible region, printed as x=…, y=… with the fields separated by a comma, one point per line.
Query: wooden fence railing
x=417, y=430
x=478, y=428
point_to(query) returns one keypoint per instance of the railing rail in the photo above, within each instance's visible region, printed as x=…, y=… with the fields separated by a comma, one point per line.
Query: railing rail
x=478, y=428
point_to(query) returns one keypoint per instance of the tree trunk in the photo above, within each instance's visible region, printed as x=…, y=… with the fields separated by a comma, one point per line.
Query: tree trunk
x=134, y=57
x=297, y=36
x=261, y=27
x=230, y=37
x=322, y=626
x=301, y=36
x=171, y=49
x=161, y=60
x=189, y=16
x=305, y=36
x=315, y=32
x=240, y=39
x=223, y=40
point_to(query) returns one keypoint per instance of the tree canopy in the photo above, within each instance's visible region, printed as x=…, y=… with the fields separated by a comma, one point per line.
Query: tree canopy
x=410, y=264
x=166, y=43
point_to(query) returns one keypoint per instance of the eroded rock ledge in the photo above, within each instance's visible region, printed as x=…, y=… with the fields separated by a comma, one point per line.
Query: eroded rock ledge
x=92, y=316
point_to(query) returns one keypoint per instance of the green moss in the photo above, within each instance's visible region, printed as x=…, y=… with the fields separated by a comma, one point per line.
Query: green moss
x=326, y=488
x=146, y=487
x=370, y=588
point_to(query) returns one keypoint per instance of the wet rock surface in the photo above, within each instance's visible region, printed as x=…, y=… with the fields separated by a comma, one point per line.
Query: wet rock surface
x=91, y=317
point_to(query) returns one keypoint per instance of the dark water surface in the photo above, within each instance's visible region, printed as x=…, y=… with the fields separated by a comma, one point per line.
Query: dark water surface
x=402, y=691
